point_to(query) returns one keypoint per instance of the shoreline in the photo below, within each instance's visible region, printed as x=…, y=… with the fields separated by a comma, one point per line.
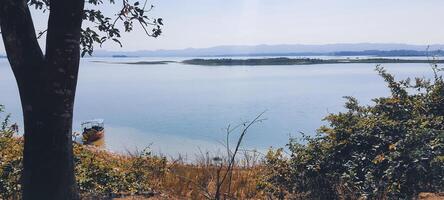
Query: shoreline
x=278, y=61
x=299, y=61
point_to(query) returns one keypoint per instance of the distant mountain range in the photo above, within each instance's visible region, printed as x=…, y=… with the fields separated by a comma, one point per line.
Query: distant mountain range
x=372, y=49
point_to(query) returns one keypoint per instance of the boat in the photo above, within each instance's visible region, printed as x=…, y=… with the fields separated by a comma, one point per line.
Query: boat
x=92, y=130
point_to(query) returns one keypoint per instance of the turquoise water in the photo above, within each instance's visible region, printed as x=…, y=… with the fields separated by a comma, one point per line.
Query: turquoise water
x=183, y=109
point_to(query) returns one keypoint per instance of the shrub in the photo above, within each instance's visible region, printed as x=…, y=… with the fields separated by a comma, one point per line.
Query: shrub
x=103, y=174
x=390, y=150
x=10, y=160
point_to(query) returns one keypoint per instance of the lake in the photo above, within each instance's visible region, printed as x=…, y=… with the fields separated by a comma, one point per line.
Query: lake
x=184, y=109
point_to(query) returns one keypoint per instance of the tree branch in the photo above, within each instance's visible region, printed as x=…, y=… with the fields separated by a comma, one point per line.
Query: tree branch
x=19, y=37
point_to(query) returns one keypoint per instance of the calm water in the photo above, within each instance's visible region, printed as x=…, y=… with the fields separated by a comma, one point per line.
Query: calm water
x=181, y=108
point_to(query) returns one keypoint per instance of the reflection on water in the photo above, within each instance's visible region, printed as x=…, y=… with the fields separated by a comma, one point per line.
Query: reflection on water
x=100, y=143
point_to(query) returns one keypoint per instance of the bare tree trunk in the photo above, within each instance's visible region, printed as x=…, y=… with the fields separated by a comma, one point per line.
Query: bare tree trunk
x=47, y=87
x=48, y=155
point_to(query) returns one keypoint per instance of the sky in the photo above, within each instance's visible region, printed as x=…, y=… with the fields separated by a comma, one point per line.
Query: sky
x=206, y=23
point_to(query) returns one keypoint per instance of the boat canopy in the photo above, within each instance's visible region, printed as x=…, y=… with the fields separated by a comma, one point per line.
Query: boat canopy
x=93, y=123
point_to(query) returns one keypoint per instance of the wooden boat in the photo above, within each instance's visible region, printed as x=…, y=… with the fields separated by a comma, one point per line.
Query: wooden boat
x=93, y=130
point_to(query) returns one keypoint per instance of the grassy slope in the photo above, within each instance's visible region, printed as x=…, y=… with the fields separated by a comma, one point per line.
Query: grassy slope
x=140, y=175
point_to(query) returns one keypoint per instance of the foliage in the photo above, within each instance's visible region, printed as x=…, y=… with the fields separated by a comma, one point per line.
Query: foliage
x=10, y=160
x=101, y=28
x=390, y=150
x=103, y=174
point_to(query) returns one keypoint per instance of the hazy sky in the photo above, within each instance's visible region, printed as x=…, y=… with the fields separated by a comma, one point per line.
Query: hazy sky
x=204, y=23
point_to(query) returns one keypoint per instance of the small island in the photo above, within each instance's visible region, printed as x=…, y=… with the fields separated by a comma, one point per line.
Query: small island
x=298, y=61
x=119, y=56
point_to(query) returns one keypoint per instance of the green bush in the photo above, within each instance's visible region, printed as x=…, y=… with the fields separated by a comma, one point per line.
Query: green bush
x=103, y=174
x=390, y=150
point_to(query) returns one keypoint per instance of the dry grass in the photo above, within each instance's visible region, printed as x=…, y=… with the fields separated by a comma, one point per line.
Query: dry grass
x=431, y=196
x=199, y=182
x=180, y=179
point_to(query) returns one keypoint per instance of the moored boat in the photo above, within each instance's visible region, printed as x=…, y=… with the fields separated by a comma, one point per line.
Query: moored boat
x=92, y=130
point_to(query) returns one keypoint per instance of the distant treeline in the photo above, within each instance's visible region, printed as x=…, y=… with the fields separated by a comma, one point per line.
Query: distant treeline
x=297, y=61
x=375, y=53
x=392, y=53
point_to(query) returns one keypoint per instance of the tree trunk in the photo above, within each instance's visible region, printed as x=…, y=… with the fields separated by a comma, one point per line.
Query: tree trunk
x=47, y=87
x=48, y=154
